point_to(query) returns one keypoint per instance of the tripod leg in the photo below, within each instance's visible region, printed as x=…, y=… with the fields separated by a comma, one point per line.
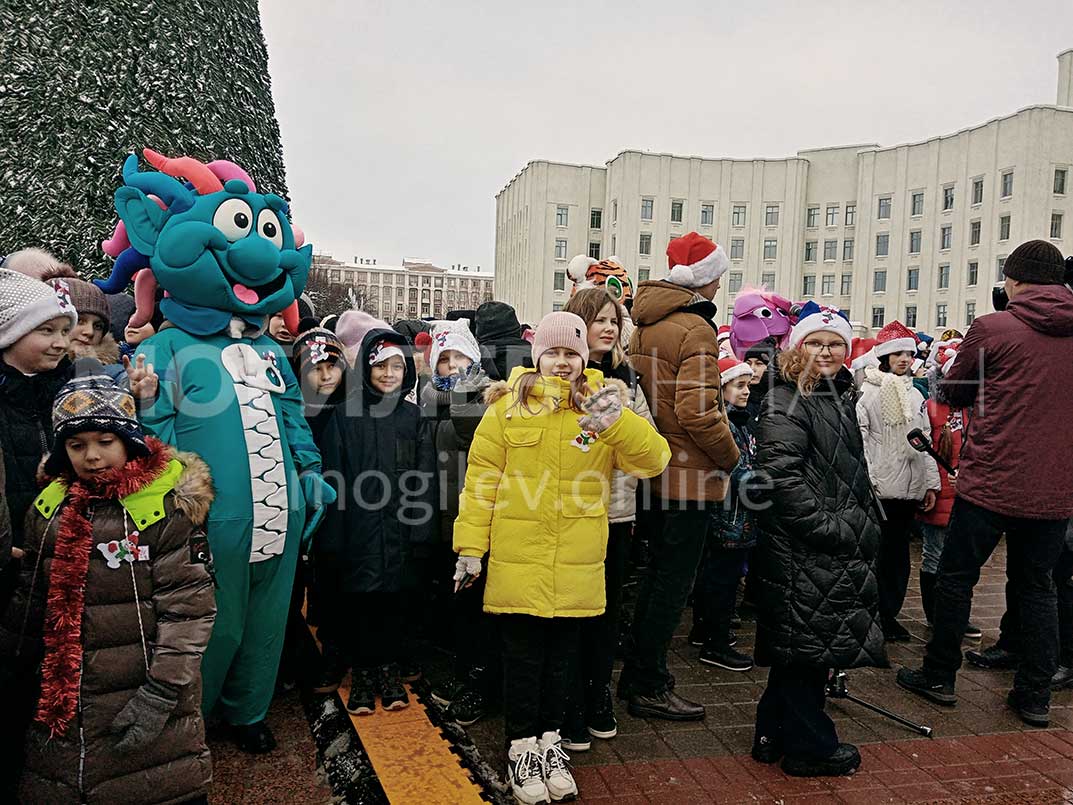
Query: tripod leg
x=919, y=728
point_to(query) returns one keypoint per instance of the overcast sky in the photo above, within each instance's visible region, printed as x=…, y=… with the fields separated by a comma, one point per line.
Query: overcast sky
x=402, y=120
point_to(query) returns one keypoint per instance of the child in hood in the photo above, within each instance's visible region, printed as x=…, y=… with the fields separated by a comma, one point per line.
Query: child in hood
x=115, y=606
x=535, y=500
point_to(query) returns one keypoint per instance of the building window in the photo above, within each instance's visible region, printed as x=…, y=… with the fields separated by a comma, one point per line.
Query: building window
x=767, y=279
x=647, y=206
x=882, y=244
x=910, y=315
x=830, y=250
x=827, y=285
x=944, y=276
x=557, y=306
x=642, y=275
x=562, y=215
x=812, y=217
x=594, y=250
x=808, y=285
x=771, y=248
x=707, y=214
x=847, y=284
x=560, y=249
x=1007, y=185
x=970, y=313
x=645, y=244
x=878, y=317
x=884, y=208
x=737, y=248
x=973, y=273
x=851, y=214
x=977, y=191
x=948, y=198
x=1000, y=264
x=738, y=215
x=847, y=250
x=940, y=315
x=810, y=251
x=676, y=212
x=917, y=204
x=1056, y=224
x=614, y=240
x=946, y=236
x=912, y=279
x=879, y=281
x=771, y=215
x=914, y=241
x=614, y=211
x=1059, y=181
x=596, y=219
x=832, y=215
x=735, y=282
x=1004, y=228
x=974, y=233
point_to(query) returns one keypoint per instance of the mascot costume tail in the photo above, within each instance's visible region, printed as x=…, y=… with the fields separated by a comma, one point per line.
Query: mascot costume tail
x=227, y=258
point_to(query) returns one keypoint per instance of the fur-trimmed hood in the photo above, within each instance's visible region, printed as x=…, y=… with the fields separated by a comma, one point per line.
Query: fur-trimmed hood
x=501, y=388
x=107, y=352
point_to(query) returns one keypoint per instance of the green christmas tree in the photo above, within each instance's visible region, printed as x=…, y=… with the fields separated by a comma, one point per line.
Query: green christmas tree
x=83, y=83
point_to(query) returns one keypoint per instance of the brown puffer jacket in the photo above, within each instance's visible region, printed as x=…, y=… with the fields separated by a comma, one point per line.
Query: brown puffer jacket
x=168, y=620
x=674, y=351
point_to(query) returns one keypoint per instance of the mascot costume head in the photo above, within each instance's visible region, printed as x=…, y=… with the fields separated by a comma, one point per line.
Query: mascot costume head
x=217, y=247
x=759, y=315
x=608, y=274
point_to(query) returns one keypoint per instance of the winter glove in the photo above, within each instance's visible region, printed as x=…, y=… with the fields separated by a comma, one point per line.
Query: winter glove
x=142, y=719
x=602, y=410
x=473, y=379
x=319, y=496
x=466, y=566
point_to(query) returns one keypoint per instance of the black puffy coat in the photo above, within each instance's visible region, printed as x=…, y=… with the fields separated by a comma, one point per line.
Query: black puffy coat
x=499, y=334
x=378, y=454
x=815, y=563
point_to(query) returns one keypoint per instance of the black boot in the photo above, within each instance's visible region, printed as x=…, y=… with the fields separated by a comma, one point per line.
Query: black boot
x=254, y=739
x=927, y=594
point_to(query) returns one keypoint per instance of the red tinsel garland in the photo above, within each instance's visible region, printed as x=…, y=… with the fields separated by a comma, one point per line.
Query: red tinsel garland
x=61, y=669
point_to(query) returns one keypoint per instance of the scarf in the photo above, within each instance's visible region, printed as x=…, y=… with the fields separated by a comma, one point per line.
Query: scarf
x=894, y=401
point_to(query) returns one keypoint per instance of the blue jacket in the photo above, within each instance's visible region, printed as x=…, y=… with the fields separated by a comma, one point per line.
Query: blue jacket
x=732, y=523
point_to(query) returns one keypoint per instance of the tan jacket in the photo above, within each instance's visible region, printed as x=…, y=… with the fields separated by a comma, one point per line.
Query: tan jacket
x=674, y=350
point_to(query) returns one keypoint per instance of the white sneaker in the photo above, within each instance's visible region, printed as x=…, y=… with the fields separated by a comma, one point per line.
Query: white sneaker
x=525, y=767
x=557, y=776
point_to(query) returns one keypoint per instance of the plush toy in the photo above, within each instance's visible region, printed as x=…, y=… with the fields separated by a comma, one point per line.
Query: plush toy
x=761, y=314
x=227, y=259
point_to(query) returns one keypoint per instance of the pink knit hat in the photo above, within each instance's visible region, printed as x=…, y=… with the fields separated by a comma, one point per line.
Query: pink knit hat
x=566, y=330
x=351, y=329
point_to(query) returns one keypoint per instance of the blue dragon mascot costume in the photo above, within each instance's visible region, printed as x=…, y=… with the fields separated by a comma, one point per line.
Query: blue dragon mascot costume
x=226, y=257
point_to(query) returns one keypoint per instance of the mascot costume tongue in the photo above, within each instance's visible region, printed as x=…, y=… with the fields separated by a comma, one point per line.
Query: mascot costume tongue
x=227, y=259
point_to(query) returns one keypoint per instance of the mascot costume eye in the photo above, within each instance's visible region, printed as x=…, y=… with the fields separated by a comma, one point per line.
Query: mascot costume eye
x=227, y=258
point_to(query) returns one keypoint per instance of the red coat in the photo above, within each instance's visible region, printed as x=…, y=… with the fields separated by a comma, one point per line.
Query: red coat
x=1016, y=368
x=940, y=414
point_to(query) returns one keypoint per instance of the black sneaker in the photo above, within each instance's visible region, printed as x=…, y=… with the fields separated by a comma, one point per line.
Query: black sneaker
x=332, y=671
x=726, y=658
x=393, y=695
x=993, y=658
x=574, y=734
x=844, y=761
x=698, y=633
x=468, y=706
x=254, y=739
x=362, y=698
x=766, y=749
x=1063, y=678
x=894, y=632
x=973, y=632
x=446, y=692
x=409, y=670
x=667, y=705
x=924, y=685
x=1033, y=712
x=601, y=714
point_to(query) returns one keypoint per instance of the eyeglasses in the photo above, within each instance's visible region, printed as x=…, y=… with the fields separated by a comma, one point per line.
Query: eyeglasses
x=816, y=347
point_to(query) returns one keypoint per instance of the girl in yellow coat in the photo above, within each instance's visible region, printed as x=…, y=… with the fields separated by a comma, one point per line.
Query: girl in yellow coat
x=535, y=501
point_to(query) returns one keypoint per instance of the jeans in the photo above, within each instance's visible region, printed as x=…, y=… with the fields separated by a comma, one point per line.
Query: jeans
x=538, y=656
x=934, y=539
x=1032, y=551
x=677, y=540
x=790, y=712
x=716, y=590
x=892, y=569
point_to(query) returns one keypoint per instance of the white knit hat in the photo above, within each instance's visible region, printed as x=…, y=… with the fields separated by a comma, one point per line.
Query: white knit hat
x=26, y=303
x=453, y=335
x=820, y=318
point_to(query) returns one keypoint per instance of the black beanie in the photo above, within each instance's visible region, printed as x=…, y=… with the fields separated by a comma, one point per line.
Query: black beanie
x=1036, y=262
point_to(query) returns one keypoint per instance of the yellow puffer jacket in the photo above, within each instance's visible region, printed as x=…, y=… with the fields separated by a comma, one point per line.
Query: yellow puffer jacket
x=536, y=496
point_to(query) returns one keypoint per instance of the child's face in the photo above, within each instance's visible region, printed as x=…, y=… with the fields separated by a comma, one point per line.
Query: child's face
x=387, y=376
x=90, y=330
x=452, y=362
x=603, y=332
x=326, y=377
x=135, y=335
x=93, y=451
x=41, y=349
x=736, y=392
x=278, y=330
x=758, y=367
x=900, y=362
x=561, y=362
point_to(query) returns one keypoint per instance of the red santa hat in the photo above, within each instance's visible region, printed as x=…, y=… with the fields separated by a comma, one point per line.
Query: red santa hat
x=724, y=333
x=944, y=357
x=731, y=369
x=895, y=337
x=694, y=261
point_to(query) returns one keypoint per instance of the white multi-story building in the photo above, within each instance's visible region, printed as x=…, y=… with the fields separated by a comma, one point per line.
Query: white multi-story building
x=916, y=232
x=416, y=289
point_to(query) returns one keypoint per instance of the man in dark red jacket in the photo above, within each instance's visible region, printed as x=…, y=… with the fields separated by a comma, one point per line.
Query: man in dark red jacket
x=1016, y=368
